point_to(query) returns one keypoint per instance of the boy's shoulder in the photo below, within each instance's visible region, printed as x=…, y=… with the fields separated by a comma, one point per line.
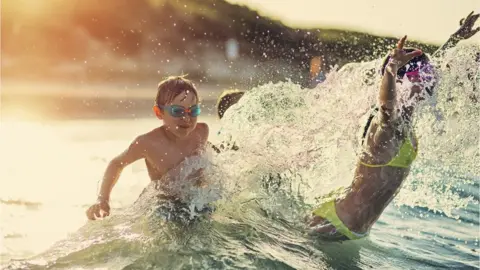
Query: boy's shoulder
x=202, y=129
x=202, y=126
x=201, y=132
x=152, y=135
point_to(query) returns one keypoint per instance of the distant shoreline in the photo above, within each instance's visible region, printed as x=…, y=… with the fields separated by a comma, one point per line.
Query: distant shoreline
x=38, y=101
x=99, y=90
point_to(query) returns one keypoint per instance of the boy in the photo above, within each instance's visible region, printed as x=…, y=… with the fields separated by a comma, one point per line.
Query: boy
x=163, y=148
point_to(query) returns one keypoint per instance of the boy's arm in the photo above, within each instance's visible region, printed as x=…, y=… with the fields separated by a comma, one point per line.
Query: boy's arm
x=451, y=42
x=387, y=96
x=465, y=31
x=134, y=152
x=386, y=116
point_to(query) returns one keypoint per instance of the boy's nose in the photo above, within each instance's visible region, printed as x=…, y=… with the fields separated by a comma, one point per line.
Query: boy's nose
x=186, y=118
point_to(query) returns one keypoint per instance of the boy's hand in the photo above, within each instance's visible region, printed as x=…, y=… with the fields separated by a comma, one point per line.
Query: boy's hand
x=100, y=209
x=398, y=57
x=466, y=29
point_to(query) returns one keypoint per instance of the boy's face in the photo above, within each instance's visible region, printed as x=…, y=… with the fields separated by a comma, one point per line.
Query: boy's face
x=183, y=125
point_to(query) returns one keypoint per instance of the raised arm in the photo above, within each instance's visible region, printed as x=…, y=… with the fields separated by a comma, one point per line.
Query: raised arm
x=465, y=31
x=382, y=130
x=387, y=96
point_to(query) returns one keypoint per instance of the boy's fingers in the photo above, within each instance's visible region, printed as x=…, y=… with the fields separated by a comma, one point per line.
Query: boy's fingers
x=473, y=19
x=476, y=30
x=401, y=42
x=90, y=214
x=413, y=54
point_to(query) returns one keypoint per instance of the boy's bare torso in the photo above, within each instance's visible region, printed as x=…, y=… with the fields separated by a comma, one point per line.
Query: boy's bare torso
x=163, y=155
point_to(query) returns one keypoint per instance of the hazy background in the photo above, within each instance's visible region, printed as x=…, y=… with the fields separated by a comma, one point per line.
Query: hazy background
x=89, y=58
x=78, y=79
x=427, y=20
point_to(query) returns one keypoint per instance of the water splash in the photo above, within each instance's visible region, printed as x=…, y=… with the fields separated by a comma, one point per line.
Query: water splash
x=315, y=133
x=295, y=144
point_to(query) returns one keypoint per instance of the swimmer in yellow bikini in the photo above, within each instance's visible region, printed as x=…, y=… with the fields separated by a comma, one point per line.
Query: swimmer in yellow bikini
x=389, y=148
x=389, y=143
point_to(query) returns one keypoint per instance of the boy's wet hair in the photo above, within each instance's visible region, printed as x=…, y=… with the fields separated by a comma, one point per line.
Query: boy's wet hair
x=171, y=87
x=227, y=99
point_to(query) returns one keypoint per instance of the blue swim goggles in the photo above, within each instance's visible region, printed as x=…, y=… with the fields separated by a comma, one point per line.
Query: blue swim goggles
x=180, y=111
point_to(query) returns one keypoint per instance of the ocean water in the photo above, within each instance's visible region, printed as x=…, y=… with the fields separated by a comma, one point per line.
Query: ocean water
x=50, y=172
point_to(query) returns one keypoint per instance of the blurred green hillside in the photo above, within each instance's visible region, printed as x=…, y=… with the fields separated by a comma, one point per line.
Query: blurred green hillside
x=118, y=40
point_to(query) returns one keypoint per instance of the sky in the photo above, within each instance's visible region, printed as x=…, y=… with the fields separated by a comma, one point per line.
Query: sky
x=430, y=21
